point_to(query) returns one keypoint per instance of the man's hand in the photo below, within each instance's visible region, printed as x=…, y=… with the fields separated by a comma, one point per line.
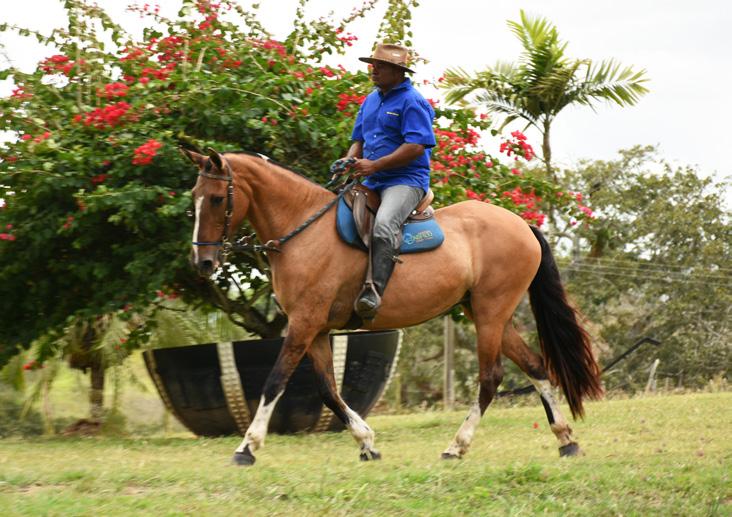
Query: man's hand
x=364, y=167
x=341, y=166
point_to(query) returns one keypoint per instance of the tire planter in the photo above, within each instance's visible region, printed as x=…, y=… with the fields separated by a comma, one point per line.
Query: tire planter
x=214, y=389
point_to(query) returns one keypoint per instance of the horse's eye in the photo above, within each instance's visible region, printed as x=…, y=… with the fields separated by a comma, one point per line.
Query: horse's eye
x=216, y=200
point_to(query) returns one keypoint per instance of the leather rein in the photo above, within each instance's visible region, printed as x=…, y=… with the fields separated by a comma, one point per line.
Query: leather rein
x=245, y=243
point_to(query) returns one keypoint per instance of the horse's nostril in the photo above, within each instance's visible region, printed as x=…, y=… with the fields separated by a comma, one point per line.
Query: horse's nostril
x=205, y=266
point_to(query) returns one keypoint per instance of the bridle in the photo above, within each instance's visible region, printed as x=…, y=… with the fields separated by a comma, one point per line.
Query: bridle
x=245, y=243
x=223, y=243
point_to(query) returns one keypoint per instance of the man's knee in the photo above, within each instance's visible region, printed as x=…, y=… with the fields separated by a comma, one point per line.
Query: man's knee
x=385, y=233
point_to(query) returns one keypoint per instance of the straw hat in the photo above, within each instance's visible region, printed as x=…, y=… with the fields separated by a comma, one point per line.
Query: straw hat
x=395, y=55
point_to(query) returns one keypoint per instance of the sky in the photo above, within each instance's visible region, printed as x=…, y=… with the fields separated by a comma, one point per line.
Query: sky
x=684, y=47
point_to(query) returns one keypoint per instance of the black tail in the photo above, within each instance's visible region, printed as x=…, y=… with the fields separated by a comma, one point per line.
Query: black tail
x=564, y=343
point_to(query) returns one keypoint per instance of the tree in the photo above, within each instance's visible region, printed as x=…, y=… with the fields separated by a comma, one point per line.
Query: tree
x=544, y=81
x=658, y=262
x=96, y=193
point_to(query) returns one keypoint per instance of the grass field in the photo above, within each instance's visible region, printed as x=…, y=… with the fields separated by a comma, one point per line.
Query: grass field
x=664, y=455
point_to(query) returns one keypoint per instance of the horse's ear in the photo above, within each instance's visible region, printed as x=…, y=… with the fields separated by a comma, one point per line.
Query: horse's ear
x=215, y=158
x=193, y=156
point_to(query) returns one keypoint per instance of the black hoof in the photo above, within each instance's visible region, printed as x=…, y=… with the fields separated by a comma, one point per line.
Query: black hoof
x=243, y=459
x=571, y=449
x=370, y=455
x=448, y=456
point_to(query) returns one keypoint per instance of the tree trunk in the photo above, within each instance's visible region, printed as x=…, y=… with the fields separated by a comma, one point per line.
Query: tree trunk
x=96, y=392
x=546, y=149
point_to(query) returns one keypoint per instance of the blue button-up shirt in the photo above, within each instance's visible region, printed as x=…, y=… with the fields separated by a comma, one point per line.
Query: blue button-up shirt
x=385, y=122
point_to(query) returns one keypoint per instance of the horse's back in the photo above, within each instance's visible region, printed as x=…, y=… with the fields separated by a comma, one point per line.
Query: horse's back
x=491, y=233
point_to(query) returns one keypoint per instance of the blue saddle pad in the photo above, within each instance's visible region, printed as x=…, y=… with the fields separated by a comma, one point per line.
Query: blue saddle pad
x=416, y=236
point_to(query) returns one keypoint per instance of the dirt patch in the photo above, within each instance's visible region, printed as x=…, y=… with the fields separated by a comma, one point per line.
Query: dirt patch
x=83, y=427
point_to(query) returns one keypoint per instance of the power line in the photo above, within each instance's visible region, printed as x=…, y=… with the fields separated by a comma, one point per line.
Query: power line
x=656, y=273
x=654, y=265
x=639, y=275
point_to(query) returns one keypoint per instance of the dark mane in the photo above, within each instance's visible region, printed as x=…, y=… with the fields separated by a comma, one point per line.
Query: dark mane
x=275, y=162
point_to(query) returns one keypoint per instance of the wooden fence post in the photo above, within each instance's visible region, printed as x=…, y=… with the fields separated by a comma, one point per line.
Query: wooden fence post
x=651, y=384
x=448, y=391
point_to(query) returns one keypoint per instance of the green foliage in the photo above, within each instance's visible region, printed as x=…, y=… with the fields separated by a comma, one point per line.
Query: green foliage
x=12, y=420
x=395, y=27
x=659, y=264
x=96, y=193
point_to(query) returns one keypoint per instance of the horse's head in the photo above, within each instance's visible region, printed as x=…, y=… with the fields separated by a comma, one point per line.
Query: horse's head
x=218, y=210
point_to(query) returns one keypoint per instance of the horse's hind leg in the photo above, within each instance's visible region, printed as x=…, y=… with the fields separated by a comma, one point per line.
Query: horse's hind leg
x=516, y=349
x=491, y=374
x=322, y=356
x=294, y=347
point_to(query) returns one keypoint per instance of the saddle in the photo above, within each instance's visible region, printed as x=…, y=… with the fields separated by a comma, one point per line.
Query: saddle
x=355, y=221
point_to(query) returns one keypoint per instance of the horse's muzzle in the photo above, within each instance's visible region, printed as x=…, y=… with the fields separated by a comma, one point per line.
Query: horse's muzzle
x=205, y=267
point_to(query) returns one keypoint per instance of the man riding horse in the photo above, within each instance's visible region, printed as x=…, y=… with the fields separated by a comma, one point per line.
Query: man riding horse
x=392, y=140
x=488, y=277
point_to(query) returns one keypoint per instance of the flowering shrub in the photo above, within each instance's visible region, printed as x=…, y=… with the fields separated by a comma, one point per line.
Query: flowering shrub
x=32, y=365
x=96, y=193
x=462, y=169
x=105, y=117
x=146, y=152
x=518, y=146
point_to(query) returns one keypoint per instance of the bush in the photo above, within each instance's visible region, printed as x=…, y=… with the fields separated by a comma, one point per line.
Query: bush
x=11, y=422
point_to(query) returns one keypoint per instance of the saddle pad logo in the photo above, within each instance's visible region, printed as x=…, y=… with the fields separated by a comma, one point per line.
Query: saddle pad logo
x=422, y=236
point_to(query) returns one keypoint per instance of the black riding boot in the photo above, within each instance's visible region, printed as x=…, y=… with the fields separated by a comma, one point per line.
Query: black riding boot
x=382, y=258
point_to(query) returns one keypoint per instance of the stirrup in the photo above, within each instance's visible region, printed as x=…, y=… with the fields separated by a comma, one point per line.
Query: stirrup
x=363, y=311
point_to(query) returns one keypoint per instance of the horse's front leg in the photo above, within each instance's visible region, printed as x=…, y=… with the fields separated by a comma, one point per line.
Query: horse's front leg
x=296, y=344
x=322, y=356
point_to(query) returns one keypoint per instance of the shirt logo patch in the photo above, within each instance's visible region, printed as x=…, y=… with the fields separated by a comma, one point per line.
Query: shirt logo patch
x=392, y=113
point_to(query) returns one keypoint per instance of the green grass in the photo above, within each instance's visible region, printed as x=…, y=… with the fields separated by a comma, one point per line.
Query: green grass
x=665, y=455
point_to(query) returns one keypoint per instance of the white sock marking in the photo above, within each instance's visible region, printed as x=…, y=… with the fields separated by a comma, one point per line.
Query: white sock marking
x=257, y=431
x=360, y=430
x=560, y=427
x=464, y=436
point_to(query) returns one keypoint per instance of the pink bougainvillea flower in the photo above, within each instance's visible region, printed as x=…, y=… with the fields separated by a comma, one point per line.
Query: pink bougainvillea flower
x=347, y=99
x=146, y=152
x=113, y=90
x=108, y=116
x=41, y=138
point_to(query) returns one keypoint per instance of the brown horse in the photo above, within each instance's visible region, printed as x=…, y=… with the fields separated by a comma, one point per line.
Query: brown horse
x=489, y=259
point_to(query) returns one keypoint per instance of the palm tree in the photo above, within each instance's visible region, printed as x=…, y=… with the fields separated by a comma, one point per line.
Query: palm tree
x=544, y=81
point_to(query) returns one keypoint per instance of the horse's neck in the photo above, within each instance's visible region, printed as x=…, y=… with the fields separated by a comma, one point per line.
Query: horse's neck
x=279, y=200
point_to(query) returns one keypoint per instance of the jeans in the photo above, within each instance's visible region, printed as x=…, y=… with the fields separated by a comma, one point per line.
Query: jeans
x=397, y=203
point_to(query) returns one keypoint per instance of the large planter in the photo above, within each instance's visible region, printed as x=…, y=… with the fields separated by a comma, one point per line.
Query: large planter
x=214, y=389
